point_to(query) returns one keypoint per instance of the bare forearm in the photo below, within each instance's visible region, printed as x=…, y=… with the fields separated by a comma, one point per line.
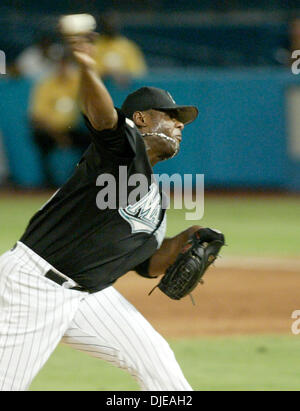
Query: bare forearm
x=96, y=101
x=94, y=98
x=168, y=251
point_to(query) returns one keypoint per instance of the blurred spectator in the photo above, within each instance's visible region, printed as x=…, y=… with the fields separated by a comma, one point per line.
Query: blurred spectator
x=117, y=57
x=283, y=54
x=3, y=164
x=294, y=31
x=54, y=113
x=39, y=59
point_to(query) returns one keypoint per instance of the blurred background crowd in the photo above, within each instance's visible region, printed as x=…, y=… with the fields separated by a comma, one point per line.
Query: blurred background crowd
x=230, y=58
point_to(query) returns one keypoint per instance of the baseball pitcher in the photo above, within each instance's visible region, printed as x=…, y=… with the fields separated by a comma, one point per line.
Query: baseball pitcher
x=56, y=283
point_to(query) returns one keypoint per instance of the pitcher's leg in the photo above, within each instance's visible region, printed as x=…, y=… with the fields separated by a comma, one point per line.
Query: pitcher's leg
x=107, y=326
x=34, y=314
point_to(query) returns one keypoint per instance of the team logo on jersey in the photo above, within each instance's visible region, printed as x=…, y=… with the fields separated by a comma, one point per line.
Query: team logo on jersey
x=143, y=216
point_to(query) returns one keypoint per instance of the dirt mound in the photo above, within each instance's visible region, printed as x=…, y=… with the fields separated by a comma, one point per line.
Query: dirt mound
x=233, y=300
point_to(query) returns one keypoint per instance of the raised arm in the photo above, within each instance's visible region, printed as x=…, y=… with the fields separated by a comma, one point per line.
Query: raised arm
x=95, y=100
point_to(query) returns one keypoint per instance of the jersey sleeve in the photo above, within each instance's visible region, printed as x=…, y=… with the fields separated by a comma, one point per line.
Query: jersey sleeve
x=120, y=142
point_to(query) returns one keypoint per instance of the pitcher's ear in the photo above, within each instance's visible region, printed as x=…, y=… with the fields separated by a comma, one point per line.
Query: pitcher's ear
x=140, y=118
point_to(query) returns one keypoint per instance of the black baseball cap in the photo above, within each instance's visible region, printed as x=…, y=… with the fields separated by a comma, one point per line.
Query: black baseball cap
x=146, y=98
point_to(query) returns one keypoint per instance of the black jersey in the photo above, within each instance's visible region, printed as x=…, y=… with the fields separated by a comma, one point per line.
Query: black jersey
x=95, y=246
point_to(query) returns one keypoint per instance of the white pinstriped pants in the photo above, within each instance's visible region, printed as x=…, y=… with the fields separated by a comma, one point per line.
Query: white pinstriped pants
x=36, y=314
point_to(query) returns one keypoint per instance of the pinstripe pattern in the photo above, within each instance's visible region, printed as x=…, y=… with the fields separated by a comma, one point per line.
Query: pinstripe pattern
x=36, y=313
x=107, y=326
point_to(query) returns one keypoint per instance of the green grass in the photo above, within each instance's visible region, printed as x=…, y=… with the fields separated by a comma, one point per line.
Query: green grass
x=268, y=363
x=15, y=213
x=253, y=226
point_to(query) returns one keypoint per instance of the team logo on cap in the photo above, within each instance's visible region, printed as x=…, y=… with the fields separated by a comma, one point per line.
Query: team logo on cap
x=173, y=101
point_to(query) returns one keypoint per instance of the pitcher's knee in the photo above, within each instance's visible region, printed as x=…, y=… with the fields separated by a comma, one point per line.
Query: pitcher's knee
x=162, y=372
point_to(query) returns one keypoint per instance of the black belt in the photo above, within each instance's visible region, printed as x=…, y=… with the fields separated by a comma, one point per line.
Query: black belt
x=63, y=281
x=60, y=279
